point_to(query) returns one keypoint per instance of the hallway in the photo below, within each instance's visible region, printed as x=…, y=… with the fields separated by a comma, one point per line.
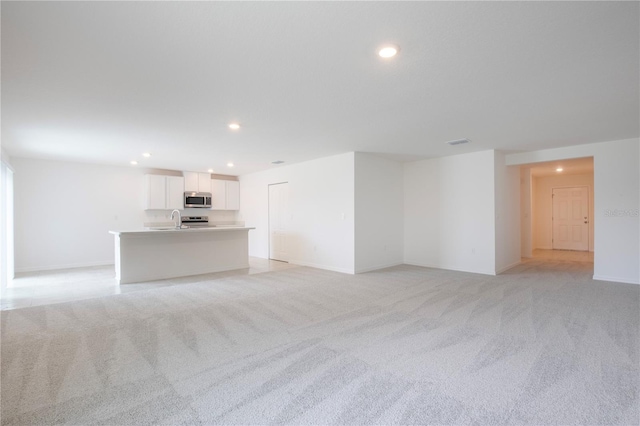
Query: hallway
x=562, y=255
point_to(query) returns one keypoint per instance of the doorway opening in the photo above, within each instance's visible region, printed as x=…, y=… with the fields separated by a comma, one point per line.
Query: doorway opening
x=6, y=226
x=279, y=217
x=557, y=209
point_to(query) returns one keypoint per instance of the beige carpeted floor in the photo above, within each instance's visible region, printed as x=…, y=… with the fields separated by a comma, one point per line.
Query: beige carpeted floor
x=541, y=344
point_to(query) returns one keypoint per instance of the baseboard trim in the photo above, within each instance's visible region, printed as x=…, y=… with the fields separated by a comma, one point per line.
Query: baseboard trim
x=447, y=268
x=375, y=268
x=319, y=266
x=142, y=278
x=614, y=279
x=66, y=266
x=506, y=268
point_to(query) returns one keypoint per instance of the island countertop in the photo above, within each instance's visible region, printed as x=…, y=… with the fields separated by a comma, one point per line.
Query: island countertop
x=155, y=254
x=148, y=231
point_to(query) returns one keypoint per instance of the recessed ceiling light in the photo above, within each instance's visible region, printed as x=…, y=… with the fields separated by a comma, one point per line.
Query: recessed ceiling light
x=559, y=169
x=234, y=126
x=229, y=164
x=134, y=162
x=388, y=51
x=210, y=170
x=146, y=154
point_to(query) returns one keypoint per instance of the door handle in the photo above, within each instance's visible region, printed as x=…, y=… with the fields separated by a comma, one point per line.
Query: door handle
x=585, y=220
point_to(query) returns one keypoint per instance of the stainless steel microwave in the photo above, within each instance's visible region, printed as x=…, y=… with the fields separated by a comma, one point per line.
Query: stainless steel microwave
x=200, y=200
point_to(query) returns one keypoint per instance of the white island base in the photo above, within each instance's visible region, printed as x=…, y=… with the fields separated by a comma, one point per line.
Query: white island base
x=147, y=255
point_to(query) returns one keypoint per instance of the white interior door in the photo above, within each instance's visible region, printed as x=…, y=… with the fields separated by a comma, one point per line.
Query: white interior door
x=571, y=218
x=278, y=221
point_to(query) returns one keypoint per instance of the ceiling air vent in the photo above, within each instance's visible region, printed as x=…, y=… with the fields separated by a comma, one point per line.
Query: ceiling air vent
x=458, y=142
x=277, y=162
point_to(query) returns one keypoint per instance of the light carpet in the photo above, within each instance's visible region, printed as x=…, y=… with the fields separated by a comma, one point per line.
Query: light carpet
x=541, y=344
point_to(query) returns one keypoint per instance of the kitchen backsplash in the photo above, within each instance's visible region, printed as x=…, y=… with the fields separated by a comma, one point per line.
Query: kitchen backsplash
x=216, y=217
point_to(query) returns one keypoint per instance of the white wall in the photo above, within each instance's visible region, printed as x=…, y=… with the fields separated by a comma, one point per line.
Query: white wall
x=321, y=202
x=526, y=213
x=507, y=214
x=449, y=208
x=458, y=212
x=64, y=210
x=617, y=199
x=543, y=206
x=5, y=157
x=378, y=212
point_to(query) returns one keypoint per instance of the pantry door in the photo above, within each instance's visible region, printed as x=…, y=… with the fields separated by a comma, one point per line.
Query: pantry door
x=278, y=222
x=571, y=218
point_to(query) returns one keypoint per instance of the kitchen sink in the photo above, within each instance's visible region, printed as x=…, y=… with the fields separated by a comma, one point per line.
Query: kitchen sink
x=167, y=228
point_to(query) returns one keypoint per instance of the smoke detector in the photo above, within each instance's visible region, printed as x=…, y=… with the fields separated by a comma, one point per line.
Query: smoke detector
x=458, y=142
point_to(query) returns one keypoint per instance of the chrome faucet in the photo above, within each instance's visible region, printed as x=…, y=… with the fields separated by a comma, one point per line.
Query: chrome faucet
x=179, y=224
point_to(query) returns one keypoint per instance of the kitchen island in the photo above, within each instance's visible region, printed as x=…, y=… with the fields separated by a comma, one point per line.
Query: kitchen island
x=153, y=254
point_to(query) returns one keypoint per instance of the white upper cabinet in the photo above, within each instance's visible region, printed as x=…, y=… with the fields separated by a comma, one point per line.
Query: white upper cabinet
x=190, y=181
x=175, y=192
x=233, y=195
x=155, y=192
x=218, y=194
x=197, y=182
x=164, y=192
x=225, y=194
x=204, y=182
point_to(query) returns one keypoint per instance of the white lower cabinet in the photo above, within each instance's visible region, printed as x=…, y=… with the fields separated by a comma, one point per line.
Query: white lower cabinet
x=164, y=192
x=225, y=194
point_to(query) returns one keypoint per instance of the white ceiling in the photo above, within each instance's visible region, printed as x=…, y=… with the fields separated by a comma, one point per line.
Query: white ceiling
x=103, y=82
x=578, y=166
